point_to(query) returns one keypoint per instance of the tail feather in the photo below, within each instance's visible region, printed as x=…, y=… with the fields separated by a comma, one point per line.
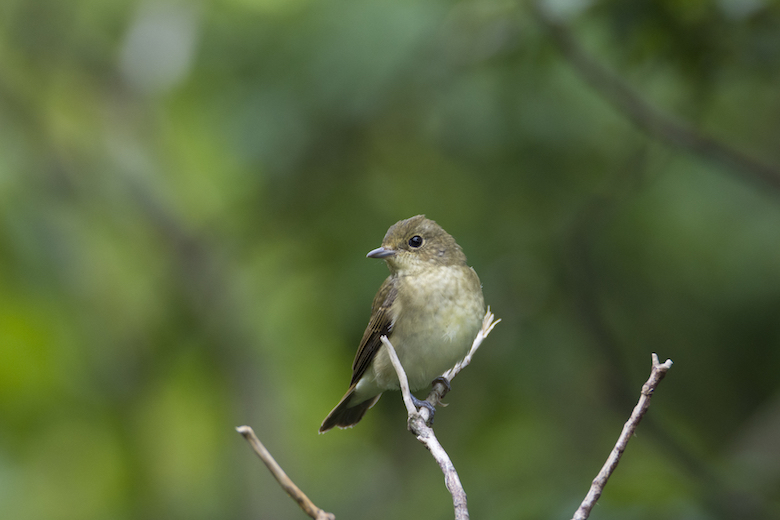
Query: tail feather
x=347, y=414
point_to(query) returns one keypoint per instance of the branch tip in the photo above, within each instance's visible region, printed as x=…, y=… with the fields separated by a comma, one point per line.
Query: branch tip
x=656, y=375
x=281, y=477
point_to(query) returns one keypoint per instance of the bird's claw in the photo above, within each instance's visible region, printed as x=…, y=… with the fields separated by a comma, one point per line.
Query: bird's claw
x=444, y=381
x=422, y=403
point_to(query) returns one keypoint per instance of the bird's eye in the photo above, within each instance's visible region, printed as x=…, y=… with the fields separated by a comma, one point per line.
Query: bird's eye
x=416, y=241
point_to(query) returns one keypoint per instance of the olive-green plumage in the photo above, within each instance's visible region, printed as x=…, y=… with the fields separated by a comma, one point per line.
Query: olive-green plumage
x=430, y=308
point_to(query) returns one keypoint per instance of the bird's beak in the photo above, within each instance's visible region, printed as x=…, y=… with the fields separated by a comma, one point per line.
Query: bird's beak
x=380, y=252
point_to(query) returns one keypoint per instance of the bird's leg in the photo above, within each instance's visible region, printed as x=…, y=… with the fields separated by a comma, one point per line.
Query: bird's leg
x=419, y=403
x=444, y=381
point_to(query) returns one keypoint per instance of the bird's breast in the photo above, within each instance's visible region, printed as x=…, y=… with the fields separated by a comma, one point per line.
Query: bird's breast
x=436, y=317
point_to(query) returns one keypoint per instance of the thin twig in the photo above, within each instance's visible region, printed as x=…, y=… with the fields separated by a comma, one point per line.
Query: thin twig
x=287, y=484
x=402, y=379
x=418, y=420
x=658, y=372
x=425, y=435
x=488, y=322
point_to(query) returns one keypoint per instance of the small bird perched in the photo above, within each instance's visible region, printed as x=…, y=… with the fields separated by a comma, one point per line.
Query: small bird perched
x=430, y=308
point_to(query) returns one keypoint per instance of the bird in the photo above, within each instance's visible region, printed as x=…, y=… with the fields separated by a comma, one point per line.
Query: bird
x=430, y=307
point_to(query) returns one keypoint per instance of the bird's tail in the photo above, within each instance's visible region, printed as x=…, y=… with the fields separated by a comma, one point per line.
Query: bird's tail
x=347, y=414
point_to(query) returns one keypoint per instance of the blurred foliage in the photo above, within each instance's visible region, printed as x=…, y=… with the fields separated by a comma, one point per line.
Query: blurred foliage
x=188, y=190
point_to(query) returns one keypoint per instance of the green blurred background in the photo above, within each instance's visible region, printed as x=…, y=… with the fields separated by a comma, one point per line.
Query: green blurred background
x=188, y=191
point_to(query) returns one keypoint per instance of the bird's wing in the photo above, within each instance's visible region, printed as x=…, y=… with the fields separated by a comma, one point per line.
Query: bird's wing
x=381, y=324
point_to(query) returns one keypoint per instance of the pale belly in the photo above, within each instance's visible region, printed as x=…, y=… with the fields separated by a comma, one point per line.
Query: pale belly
x=433, y=330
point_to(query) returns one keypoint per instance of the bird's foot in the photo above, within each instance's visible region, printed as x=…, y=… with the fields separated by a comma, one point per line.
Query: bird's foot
x=444, y=381
x=422, y=403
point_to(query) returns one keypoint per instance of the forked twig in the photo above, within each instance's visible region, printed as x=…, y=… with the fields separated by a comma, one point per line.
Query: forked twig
x=418, y=420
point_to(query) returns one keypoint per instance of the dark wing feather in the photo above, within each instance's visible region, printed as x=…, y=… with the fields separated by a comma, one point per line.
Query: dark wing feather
x=381, y=324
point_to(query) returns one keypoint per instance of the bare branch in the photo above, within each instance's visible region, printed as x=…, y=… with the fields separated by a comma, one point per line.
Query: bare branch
x=658, y=372
x=287, y=484
x=402, y=379
x=418, y=420
x=424, y=433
